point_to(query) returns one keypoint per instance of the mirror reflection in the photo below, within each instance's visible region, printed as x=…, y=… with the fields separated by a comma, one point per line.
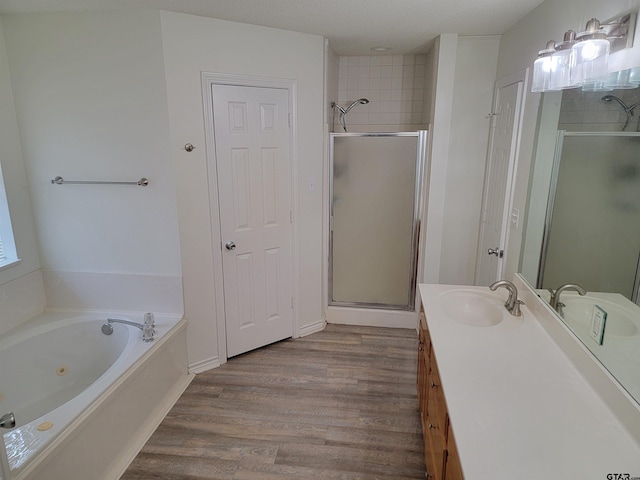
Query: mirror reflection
x=582, y=244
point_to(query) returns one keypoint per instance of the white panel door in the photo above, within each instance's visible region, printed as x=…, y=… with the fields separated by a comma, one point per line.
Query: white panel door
x=252, y=144
x=497, y=184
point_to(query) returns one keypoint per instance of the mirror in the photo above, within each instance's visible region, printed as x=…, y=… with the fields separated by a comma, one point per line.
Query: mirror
x=583, y=221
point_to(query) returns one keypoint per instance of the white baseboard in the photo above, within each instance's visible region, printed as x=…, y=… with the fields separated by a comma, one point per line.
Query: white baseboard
x=312, y=328
x=372, y=318
x=204, y=365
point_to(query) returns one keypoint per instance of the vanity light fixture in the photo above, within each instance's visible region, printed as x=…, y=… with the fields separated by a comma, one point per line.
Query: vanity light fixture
x=591, y=55
x=581, y=60
x=542, y=68
x=634, y=76
x=563, y=73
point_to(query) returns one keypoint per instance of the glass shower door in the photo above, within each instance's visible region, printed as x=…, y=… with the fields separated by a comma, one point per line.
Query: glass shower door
x=592, y=235
x=374, y=221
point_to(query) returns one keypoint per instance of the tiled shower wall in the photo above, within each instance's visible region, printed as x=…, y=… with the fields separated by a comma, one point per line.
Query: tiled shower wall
x=394, y=86
x=587, y=112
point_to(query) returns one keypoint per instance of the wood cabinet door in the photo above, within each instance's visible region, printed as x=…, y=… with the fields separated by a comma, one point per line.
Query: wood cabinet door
x=453, y=469
x=436, y=422
x=441, y=455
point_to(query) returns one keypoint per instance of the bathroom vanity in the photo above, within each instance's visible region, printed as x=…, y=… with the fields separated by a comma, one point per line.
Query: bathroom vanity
x=505, y=397
x=441, y=456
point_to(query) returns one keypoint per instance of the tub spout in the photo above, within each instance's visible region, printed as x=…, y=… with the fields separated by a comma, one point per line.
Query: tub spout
x=8, y=420
x=148, y=328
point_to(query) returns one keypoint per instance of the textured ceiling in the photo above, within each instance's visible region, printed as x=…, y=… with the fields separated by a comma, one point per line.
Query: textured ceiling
x=352, y=26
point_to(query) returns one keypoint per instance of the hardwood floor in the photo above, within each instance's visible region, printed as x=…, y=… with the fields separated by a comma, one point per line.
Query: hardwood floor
x=340, y=404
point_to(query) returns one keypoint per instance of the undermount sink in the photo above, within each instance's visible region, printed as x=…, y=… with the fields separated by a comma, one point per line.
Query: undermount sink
x=473, y=308
x=621, y=321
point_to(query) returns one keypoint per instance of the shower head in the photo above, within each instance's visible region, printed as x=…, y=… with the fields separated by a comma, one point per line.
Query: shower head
x=608, y=98
x=343, y=111
x=362, y=101
x=628, y=109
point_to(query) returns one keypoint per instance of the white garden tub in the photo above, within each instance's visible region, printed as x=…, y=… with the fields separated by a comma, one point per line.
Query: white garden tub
x=86, y=402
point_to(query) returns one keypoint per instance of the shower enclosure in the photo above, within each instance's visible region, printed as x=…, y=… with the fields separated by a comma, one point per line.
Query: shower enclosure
x=592, y=231
x=375, y=195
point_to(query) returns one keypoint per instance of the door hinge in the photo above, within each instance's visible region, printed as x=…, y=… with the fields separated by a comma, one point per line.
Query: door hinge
x=290, y=216
x=291, y=303
x=290, y=119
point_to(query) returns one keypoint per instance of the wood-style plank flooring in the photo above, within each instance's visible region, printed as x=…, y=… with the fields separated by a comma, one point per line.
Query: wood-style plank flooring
x=340, y=404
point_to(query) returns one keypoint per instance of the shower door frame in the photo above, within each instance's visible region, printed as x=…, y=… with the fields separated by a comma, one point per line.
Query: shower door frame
x=421, y=155
x=546, y=234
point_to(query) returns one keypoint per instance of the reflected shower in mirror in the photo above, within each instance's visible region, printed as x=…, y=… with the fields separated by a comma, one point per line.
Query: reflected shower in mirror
x=593, y=221
x=583, y=222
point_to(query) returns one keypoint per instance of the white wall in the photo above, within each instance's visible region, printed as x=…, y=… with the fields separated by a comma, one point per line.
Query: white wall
x=196, y=44
x=461, y=98
x=431, y=72
x=91, y=104
x=518, y=50
x=475, y=69
x=436, y=173
x=21, y=288
x=331, y=81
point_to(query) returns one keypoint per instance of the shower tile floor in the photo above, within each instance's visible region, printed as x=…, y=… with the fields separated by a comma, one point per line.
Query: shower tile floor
x=340, y=404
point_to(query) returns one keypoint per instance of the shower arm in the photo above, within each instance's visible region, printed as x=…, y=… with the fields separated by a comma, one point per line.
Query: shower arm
x=628, y=110
x=344, y=111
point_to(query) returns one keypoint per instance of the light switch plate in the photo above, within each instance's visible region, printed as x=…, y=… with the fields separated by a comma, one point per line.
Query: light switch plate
x=515, y=218
x=598, y=321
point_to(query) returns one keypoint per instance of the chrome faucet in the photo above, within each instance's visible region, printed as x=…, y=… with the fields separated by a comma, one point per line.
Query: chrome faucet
x=148, y=327
x=512, y=304
x=555, y=302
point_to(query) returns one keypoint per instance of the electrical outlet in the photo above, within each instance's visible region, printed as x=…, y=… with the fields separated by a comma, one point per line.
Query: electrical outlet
x=598, y=322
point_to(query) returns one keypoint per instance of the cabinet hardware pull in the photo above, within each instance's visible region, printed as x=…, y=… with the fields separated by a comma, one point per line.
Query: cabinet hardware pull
x=432, y=426
x=434, y=385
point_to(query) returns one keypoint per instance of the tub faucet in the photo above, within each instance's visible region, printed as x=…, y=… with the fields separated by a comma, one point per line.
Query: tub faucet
x=512, y=304
x=555, y=302
x=8, y=420
x=148, y=327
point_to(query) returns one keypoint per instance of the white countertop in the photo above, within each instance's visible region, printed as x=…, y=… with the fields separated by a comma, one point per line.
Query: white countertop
x=518, y=406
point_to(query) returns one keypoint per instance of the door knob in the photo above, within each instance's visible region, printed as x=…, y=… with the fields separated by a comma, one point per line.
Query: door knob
x=230, y=245
x=8, y=420
x=495, y=251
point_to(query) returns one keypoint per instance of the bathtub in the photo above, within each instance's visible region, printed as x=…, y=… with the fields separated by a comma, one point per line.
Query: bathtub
x=86, y=402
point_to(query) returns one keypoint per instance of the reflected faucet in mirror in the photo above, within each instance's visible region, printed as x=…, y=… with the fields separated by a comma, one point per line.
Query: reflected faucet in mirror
x=512, y=304
x=555, y=302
